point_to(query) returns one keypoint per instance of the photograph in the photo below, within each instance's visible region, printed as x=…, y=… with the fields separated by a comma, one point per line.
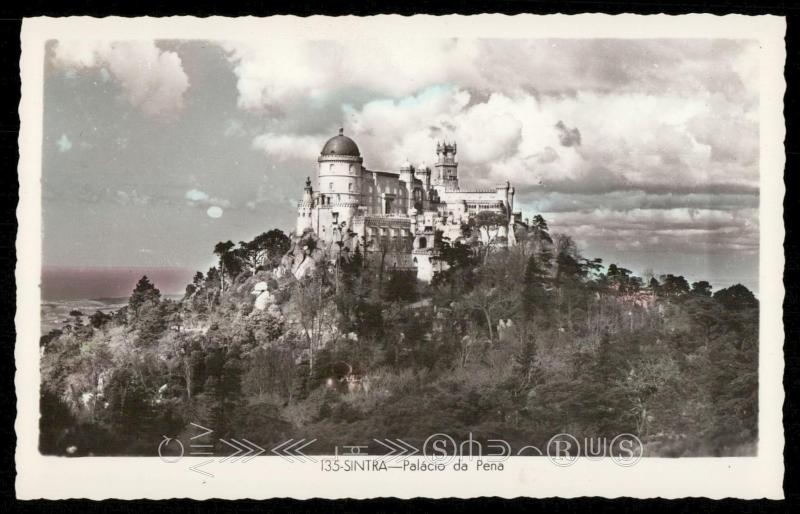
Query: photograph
x=402, y=251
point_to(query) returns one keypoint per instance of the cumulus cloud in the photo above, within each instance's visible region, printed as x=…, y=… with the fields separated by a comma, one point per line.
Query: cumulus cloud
x=280, y=71
x=403, y=67
x=289, y=146
x=195, y=195
x=198, y=197
x=150, y=78
x=630, y=136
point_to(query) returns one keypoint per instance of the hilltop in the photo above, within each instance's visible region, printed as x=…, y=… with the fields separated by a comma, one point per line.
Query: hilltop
x=519, y=342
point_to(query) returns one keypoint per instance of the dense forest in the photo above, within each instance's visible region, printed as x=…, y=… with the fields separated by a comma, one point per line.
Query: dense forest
x=519, y=343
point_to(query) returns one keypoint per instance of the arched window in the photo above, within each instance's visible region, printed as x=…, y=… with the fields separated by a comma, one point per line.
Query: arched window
x=423, y=243
x=330, y=186
x=350, y=186
x=415, y=262
x=330, y=167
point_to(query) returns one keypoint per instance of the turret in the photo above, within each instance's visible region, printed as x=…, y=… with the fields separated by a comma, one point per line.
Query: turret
x=339, y=176
x=305, y=209
x=505, y=195
x=446, y=174
x=423, y=173
x=407, y=173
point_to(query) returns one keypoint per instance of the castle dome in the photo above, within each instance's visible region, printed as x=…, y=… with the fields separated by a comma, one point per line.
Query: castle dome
x=341, y=145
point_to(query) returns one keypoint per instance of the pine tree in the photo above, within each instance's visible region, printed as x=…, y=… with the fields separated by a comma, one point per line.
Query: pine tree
x=534, y=296
x=526, y=365
x=144, y=292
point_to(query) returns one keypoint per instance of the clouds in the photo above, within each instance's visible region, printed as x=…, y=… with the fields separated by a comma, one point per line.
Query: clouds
x=282, y=71
x=288, y=146
x=677, y=231
x=568, y=136
x=196, y=197
x=151, y=79
x=214, y=212
x=625, y=144
x=64, y=144
x=654, y=140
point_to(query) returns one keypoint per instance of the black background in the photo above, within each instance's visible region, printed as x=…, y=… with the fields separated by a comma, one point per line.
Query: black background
x=10, y=24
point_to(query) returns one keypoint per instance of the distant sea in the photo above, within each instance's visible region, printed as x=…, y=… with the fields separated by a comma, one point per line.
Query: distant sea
x=99, y=283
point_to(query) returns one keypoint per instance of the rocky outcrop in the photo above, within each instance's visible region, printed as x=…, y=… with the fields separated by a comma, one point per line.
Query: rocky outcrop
x=304, y=254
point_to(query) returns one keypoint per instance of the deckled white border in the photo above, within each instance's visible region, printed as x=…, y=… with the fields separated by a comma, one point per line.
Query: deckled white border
x=98, y=478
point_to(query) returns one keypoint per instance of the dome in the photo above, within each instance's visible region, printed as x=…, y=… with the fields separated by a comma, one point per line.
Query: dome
x=340, y=145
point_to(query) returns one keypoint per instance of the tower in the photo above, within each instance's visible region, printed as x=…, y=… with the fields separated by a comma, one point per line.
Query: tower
x=305, y=209
x=339, y=177
x=423, y=173
x=446, y=174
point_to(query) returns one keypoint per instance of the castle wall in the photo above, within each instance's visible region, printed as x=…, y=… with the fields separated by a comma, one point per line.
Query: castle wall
x=394, y=215
x=380, y=189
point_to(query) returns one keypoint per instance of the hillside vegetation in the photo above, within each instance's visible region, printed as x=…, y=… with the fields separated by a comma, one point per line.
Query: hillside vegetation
x=517, y=343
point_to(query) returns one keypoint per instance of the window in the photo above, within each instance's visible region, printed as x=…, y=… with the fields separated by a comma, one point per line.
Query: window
x=330, y=167
x=352, y=169
x=350, y=186
x=330, y=186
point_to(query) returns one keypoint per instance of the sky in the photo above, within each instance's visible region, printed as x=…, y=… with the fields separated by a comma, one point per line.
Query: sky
x=644, y=151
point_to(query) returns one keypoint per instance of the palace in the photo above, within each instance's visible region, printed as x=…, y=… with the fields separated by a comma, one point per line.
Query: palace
x=398, y=214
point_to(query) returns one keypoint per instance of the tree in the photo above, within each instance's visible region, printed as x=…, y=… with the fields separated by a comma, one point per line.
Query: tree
x=490, y=302
x=310, y=299
x=460, y=264
x=648, y=379
x=701, y=288
x=342, y=251
x=673, y=285
x=572, y=272
x=534, y=295
x=223, y=251
x=265, y=250
x=99, y=319
x=526, y=362
x=197, y=283
x=223, y=386
x=736, y=297
x=144, y=292
x=490, y=223
x=401, y=286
